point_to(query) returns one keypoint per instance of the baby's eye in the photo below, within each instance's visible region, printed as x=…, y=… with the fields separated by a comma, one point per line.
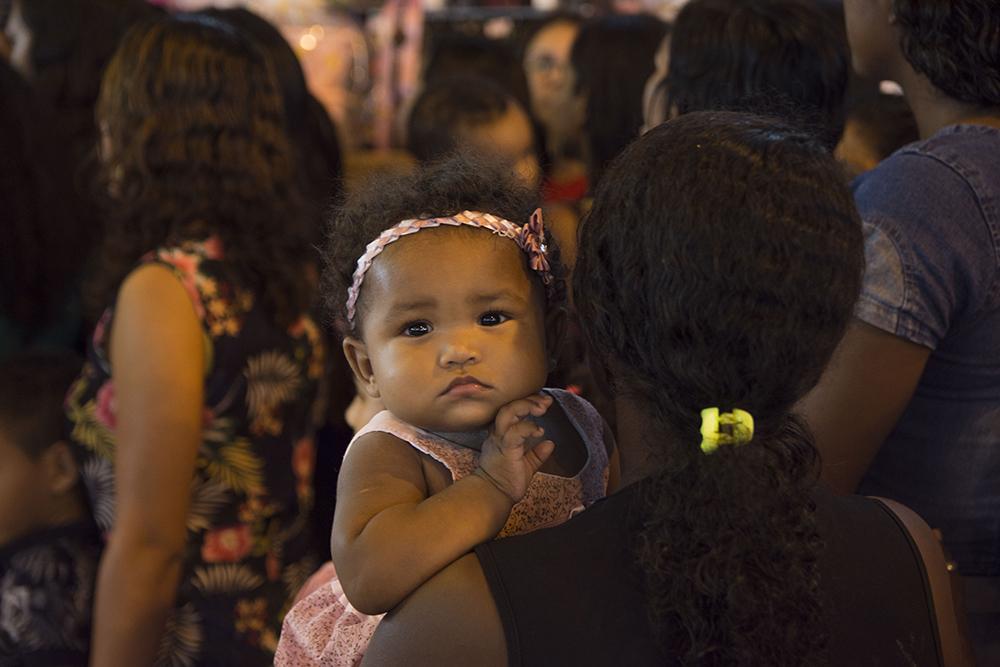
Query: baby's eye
x=416, y=329
x=492, y=319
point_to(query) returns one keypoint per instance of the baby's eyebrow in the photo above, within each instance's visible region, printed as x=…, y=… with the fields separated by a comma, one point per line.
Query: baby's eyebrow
x=415, y=304
x=489, y=297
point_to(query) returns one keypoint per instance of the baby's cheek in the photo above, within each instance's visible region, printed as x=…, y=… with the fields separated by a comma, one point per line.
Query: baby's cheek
x=533, y=362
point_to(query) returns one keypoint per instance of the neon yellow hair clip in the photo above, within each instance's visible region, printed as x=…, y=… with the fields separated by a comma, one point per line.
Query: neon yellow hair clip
x=728, y=428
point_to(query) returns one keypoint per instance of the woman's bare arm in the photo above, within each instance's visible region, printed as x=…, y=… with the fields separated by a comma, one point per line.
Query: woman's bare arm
x=450, y=620
x=859, y=399
x=157, y=356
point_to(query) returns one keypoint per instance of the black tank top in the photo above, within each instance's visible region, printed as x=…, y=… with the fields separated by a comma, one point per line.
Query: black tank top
x=570, y=595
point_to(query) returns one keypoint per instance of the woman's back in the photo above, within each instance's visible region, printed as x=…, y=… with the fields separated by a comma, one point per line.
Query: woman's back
x=873, y=589
x=247, y=546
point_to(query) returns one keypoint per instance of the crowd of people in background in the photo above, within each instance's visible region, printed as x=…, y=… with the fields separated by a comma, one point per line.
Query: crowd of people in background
x=601, y=356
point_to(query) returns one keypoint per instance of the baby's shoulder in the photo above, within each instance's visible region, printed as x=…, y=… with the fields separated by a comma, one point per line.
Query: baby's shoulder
x=388, y=444
x=380, y=446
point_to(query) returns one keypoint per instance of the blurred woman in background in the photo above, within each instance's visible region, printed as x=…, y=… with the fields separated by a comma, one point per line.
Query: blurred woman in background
x=193, y=417
x=555, y=107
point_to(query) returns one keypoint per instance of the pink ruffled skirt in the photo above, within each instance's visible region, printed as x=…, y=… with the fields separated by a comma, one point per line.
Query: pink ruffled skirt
x=323, y=628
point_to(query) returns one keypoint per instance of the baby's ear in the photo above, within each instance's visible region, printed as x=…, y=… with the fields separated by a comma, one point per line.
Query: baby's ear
x=61, y=473
x=556, y=326
x=356, y=353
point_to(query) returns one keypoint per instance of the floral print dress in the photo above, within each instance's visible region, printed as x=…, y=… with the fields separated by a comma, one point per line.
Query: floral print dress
x=47, y=596
x=247, y=549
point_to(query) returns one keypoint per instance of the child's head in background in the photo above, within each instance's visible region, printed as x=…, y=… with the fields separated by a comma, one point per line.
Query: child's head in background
x=450, y=322
x=473, y=114
x=38, y=475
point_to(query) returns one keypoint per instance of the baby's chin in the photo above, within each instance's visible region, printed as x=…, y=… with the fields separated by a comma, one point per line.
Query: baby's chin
x=471, y=424
x=468, y=415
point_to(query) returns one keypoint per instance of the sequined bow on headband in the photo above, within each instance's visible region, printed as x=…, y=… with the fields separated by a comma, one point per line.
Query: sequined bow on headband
x=532, y=241
x=530, y=237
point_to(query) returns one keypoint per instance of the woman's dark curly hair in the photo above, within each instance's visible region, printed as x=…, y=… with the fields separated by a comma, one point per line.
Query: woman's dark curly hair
x=955, y=44
x=719, y=267
x=195, y=145
x=459, y=182
x=776, y=57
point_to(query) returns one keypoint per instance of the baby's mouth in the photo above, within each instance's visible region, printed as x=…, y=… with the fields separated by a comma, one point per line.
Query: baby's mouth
x=466, y=385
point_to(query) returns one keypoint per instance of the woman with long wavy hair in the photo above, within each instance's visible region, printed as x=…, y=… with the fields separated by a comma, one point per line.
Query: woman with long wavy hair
x=717, y=271
x=193, y=417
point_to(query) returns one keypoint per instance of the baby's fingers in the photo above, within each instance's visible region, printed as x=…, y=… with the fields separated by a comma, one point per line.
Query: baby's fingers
x=535, y=405
x=519, y=433
x=539, y=454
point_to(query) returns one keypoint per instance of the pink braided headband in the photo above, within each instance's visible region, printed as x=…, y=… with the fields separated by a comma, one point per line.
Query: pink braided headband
x=529, y=237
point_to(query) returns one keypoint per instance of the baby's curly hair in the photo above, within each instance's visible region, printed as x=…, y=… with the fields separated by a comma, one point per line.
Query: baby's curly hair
x=955, y=45
x=454, y=184
x=719, y=267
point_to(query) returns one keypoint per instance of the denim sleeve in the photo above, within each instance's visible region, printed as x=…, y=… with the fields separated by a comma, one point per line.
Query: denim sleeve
x=926, y=251
x=883, y=294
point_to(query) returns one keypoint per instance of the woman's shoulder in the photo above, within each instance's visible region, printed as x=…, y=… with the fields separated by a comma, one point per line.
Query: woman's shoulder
x=187, y=257
x=588, y=423
x=200, y=266
x=941, y=581
x=958, y=164
x=580, y=412
x=877, y=551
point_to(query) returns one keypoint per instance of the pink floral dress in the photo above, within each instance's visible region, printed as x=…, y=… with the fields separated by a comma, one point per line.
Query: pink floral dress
x=247, y=547
x=324, y=629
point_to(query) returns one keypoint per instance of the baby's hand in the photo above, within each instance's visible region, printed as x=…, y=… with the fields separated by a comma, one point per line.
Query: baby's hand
x=507, y=460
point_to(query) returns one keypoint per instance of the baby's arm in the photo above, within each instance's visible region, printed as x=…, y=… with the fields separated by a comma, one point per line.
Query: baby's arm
x=390, y=535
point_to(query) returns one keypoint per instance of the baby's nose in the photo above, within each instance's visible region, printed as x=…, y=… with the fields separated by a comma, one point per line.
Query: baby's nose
x=458, y=353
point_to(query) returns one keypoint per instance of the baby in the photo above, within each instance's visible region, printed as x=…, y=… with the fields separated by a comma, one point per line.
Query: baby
x=49, y=548
x=450, y=310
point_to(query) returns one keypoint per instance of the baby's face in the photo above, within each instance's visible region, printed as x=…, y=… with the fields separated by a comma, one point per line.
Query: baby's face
x=20, y=491
x=453, y=328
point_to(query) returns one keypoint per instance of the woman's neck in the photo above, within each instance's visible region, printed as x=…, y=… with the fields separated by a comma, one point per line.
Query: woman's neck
x=636, y=458
x=934, y=110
